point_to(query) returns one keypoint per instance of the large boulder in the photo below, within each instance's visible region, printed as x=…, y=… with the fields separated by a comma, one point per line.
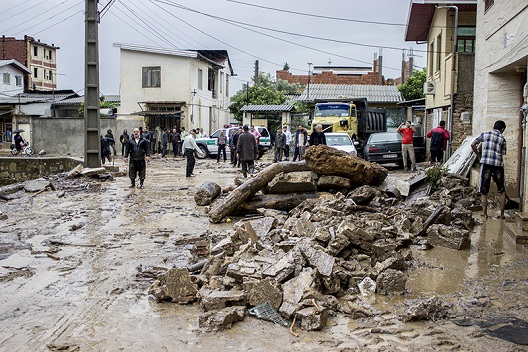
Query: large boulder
x=325, y=160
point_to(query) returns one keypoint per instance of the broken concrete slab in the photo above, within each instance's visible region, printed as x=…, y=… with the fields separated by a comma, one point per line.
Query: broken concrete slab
x=179, y=286
x=316, y=257
x=391, y=281
x=393, y=182
x=292, y=182
x=300, y=287
x=221, y=320
x=261, y=291
x=91, y=172
x=76, y=171
x=37, y=185
x=333, y=182
x=448, y=236
x=429, y=309
x=362, y=195
x=261, y=226
x=215, y=299
x=312, y=318
x=242, y=268
x=367, y=286
x=283, y=269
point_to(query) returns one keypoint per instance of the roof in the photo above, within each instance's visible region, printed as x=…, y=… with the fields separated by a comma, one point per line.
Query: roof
x=214, y=57
x=421, y=15
x=79, y=100
x=268, y=108
x=39, y=97
x=373, y=93
x=16, y=64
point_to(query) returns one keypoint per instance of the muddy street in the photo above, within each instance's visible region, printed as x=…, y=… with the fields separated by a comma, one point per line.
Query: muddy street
x=77, y=262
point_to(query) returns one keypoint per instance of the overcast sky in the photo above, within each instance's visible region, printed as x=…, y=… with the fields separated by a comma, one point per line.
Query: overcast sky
x=245, y=28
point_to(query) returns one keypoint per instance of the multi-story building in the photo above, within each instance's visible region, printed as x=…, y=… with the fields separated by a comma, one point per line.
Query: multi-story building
x=38, y=57
x=450, y=68
x=501, y=58
x=169, y=87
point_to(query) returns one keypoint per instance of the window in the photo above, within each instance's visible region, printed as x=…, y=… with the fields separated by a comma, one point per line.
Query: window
x=227, y=86
x=210, y=79
x=431, y=59
x=35, y=51
x=18, y=80
x=488, y=4
x=7, y=78
x=438, y=51
x=200, y=79
x=50, y=56
x=151, y=76
x=221, y=83
x=466, y=39
x=35, y=72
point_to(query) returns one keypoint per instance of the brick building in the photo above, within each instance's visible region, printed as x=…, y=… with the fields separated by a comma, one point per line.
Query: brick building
x=38, y=57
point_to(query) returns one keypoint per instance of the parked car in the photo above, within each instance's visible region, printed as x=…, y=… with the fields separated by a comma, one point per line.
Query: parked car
x=385, y=148
x=341, y=141
x=210, y=149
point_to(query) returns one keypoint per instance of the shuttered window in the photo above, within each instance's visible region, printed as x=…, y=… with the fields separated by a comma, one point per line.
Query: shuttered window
x=151, y=77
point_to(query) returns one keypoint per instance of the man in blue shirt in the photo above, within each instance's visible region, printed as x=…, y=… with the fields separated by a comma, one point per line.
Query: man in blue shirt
x=492, y=164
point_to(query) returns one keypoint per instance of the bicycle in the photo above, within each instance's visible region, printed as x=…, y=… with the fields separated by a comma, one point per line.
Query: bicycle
x=25, y=149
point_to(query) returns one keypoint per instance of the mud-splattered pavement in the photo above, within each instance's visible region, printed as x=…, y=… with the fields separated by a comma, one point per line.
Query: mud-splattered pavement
x=74, y=275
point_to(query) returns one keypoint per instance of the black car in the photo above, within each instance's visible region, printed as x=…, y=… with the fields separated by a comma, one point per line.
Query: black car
x=385, y=148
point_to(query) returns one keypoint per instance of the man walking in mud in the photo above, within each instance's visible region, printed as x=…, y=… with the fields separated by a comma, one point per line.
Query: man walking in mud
x=491, y=164
x=189, y=147
x=247, y=151
x=138, y=149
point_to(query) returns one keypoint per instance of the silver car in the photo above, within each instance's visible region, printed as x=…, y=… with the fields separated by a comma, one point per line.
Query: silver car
x=341, y=141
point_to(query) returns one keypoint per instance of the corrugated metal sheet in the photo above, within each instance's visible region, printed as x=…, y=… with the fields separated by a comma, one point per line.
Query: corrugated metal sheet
x=77, y=100
x=373, y=93
x=268, y=108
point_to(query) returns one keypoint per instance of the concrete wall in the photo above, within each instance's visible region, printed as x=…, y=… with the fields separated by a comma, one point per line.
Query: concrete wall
x=501, y=44
x=11, y=89
x=22, y=168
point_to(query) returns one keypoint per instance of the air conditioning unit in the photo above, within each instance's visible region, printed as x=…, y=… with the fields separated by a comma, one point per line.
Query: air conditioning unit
x=429, y=88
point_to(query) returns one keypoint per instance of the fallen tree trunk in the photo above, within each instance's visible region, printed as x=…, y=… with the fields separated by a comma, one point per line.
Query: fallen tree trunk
x=250, y=187
x=206, y=193
x=274, y=201
x=325, y=160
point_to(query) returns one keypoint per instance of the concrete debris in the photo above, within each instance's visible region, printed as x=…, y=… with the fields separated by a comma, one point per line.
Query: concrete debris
x=92, y=172
x=347, y=245
x=37, y=185
x=429, y=309
x=221, y=320
x=76, y=171
x=293, y=182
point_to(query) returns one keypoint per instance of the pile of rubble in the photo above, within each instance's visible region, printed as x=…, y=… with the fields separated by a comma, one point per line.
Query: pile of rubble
x=319, y=258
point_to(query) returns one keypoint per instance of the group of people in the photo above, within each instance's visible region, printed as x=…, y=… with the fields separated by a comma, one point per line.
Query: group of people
x=284, y=141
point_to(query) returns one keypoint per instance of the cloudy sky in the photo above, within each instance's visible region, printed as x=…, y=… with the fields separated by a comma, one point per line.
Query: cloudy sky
x=342, y=32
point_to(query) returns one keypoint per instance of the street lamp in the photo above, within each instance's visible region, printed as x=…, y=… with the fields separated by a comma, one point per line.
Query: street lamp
x=453, y=73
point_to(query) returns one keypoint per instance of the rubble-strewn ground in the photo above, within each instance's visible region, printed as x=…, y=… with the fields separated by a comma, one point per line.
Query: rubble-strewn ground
x=76, y=264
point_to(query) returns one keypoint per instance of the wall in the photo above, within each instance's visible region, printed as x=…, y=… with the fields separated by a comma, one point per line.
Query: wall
x=11, y=89
x=23, y=168
x=328, y=77
x=502, y=39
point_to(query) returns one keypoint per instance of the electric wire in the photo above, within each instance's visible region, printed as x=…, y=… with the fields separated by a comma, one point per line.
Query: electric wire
x=23, y=11
x=32, y=19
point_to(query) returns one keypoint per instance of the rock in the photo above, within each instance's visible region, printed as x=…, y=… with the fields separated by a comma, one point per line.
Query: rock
x=224, y=245
x=261, y=226
x=261, y=291
x=215, y=299
x=207, y=192
x=303, y=227
x=300, y=287
x=356, y=235
x=241, y=269
x=325, y=160
x=333, y=182
x=179, y=287
x=392, y=182
x=76, y=226
x=391, y=281
x=367, y=286
x=322, y=234
x=76, y=171
x=292, y=182
x=312, y=319
x=212, y=267
x=383, y=249
x=448, y=236
x=430, y=309
x=37, y=185
x=362, y=195
x=283, y=269
x=337, y=244
x=464, y=217
x=222, y=319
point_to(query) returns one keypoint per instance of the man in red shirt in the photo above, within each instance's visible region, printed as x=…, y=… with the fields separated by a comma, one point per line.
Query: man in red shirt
x=407, y=132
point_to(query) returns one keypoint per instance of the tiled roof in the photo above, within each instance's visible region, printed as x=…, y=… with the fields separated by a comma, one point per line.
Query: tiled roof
x=373, y=93
x=268, y=108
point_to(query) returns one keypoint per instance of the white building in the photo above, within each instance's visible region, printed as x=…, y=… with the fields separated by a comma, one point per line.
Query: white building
x=501, y=58
x=170, y=87
x=12, y=73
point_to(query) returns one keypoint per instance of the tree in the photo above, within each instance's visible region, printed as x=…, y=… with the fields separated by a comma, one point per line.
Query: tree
x=266, y=92
x=286, y=67
x=413, y=88
x=103, y=104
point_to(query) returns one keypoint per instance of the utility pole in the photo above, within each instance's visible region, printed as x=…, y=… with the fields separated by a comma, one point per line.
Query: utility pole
x=256, y=72
x=380, y=67
x=309, y=76
x=92, y=141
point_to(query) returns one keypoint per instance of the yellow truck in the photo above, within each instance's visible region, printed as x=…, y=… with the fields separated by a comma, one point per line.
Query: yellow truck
x=351, y=116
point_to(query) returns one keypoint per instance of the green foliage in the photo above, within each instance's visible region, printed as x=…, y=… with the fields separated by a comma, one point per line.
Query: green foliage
x=286, y=67
x=103, y=104
x=266, y=92
x=433, y=174
x=413, y=88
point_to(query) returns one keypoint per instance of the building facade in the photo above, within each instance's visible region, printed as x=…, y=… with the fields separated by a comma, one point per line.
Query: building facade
x=175, y=88
x=450, y=68
x=40, y=58
x=500, y=82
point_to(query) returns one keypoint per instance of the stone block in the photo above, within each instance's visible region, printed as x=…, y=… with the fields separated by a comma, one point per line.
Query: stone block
x=391, y=281
x=37, y=185
x=221, y=320
x=292, y=182
x=333, y=182
x=448, y=236
x=293, y=291
x=261, y=291
x=215, y=299
x=316, y=257
x=90, y=172
x=178, y=285
x=283, y=269
x=312, y=319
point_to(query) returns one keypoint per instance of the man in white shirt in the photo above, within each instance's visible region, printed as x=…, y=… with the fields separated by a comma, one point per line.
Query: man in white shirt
x=189, y=146
x=288, y=136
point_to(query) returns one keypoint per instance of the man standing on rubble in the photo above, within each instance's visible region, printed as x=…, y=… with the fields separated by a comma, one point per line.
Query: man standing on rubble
x=138, y=149
x=491, y=163
x=247, y=151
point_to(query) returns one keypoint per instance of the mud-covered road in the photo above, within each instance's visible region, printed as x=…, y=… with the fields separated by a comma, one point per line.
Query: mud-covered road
x=75, y=264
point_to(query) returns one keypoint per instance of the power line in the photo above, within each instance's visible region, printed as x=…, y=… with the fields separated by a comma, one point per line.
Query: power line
x=46, y=20
x=32, y=19
x=23, y=11
x=60, y=22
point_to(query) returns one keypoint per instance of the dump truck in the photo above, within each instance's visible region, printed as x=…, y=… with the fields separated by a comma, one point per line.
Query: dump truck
x=354, y=117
